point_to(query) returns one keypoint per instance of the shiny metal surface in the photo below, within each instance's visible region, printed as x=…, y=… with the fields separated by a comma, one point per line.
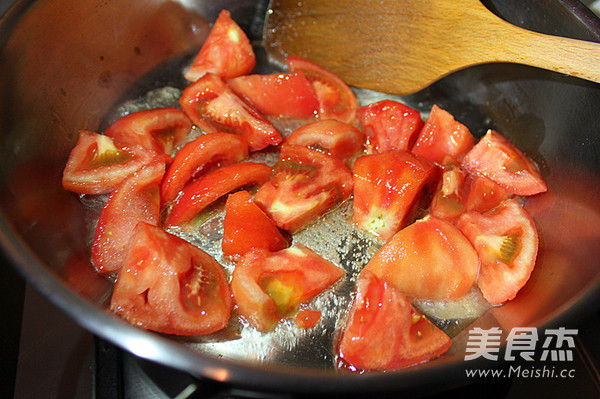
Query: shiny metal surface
x=65, y=64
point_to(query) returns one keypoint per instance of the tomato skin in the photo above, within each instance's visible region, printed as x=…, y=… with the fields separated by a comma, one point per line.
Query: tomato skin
x=194, y=158
x=199, y=194
x=96, y=165
x=158, y=129
x=336, y=99
x=507, y=243
x=390, y=125
x=499, y=160
x=214, y=107
x=278, y=94
x=384, y=331
x=305, y=184
x=297, y=274
x=246, y=226
x=339, y=139
x=170, y=286
x=448, y=201
x=135, y=200
x=429, y=259
x=443, y=139
x=387, y=185
x=227, y=52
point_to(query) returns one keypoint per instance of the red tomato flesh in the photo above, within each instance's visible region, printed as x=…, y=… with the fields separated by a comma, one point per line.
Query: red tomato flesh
x=482, y=194
x=443, y=139
x=214, y=107
x=280, y=94
x=271, y=286
x=336, y=99
x=307, y=318
x=384, y=331
x=135, y=200
x=337, y=138
x=499, y=160
x=170, y=286
x=459, y=192
x=96, y=165
x=387, y=186
x=227, y=52
x=305, y=184
x=389, y=125
x=507, y=243
x=429, y=259
x=246, y=226
x=448, y=202
x=199, y=194
x=158, y=129
x=197, y=156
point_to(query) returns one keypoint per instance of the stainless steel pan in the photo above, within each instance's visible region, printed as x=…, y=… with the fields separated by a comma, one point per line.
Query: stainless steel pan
x=66, y=63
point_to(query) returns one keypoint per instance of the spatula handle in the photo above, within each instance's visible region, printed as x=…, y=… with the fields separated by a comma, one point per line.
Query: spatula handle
x=564, y=55
x=402, y=46
x=509, y=43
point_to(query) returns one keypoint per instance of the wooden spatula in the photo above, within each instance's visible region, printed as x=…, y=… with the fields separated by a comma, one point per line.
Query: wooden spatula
x=402, y=46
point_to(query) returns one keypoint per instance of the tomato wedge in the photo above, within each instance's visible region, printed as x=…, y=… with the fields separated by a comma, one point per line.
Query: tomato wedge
x=499, y=160
x=385, y=332
x=429, y=259
x=507, y=243
x=337, y=138
x=96, y=165
x=199, y=194
x=443, y=139
x=135, y=200
x=227, y=52
x=305, y=184
x=158, y=129
x=214, y=107
x=482, y=194
x=268, y=287
x=336, y=99
x=387, y=186
x=389, y=125
x=246, y=226
x=459, y=192
x=170, y=286
x=197, y=157
x=448, y=201
x=279, y=94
